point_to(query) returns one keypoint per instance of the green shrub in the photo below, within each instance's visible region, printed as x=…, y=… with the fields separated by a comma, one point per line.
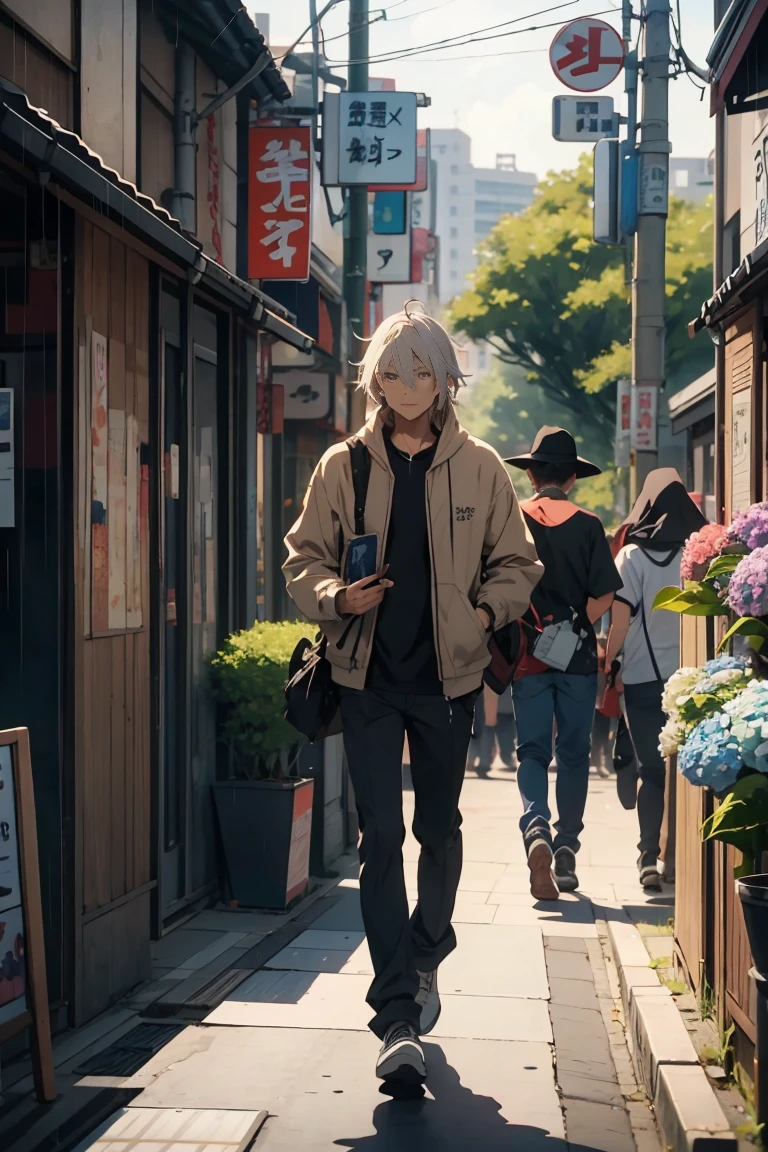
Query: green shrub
x=247, y=677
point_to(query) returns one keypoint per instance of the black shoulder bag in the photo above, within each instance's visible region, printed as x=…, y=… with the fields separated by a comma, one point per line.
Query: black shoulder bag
x=312, y=705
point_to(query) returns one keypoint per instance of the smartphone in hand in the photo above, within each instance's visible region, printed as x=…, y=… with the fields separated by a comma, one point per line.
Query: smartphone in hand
x=361, y=558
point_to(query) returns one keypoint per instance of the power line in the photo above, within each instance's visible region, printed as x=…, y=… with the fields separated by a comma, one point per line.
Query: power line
x=457, y=40
x=484, y=56
x=454, y=42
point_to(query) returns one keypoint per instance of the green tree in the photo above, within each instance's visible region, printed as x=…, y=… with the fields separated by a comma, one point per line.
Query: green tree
x=555, y=305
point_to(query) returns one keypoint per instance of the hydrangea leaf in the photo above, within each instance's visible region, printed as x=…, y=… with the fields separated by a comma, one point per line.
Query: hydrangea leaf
x=745, y=626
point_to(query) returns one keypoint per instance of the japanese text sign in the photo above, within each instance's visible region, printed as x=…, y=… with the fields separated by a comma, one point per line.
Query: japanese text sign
x=377, y=138
x=389, y=258
x=587, y=55
x=279, y=219
x=623, y=423
x=645, y=399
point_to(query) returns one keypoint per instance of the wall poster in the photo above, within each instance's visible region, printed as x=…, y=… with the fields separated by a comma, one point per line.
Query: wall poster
x=118, y=483
x=741, y=448
x=23, y=987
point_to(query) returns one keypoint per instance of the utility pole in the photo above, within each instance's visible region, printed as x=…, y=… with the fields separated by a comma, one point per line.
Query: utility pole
x=356, y=233
x=648, y=288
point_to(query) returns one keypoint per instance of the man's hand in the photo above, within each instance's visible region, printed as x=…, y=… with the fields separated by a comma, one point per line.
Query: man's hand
x=484, y=618
x=364, y=595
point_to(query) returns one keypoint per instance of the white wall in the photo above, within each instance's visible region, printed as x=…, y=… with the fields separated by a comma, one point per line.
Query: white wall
x=108, y=31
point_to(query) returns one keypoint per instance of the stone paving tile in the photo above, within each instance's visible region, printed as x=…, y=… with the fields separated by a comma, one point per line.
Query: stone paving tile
x=482, y=963
x=323, y=1096
x=568, y=966
x=573, y=993
x=175, y=949
x=599, y=1127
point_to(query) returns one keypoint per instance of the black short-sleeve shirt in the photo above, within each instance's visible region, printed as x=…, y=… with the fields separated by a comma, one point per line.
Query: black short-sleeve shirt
x=578, y=566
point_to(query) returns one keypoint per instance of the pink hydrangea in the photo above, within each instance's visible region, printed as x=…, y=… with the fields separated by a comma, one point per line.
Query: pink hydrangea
x=700, y=549
x=751, y=527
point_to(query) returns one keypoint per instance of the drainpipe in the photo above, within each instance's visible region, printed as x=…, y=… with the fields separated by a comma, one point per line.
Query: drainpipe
x=184, y=145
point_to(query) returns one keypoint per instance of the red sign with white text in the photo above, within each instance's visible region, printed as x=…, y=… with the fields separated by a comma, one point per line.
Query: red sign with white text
x=279, y=194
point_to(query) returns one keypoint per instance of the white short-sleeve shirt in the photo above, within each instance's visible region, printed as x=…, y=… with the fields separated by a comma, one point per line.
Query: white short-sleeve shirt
x=644, y=573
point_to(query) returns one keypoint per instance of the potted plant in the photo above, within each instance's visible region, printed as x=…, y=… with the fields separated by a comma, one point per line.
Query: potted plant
x=264, y=809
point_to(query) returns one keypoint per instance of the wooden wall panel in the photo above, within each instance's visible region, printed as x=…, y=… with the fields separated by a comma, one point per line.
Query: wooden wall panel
x=47, y=82
x=690, y=879
x=113, y=669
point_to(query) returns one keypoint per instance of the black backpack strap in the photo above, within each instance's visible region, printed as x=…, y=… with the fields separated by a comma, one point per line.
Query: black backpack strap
x=361, y=471
x=655, y=666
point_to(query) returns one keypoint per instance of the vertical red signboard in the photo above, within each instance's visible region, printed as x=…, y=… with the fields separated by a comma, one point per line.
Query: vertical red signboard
x=279, y=194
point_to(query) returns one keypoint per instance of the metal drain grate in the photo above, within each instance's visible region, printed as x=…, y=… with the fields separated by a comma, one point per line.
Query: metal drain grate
x=130, y=1052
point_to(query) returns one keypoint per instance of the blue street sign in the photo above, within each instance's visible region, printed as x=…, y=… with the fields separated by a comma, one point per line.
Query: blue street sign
x=389, y=209
x=629, y=169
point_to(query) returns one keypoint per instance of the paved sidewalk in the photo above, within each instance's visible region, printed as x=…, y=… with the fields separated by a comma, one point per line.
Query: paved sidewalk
x=529, y=1053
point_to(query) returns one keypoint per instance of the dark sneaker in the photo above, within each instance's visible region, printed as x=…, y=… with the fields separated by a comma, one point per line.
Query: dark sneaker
x=650, y=877
x=428, y=999
x=543, y=885
x=565, y=870
x=401, y=1057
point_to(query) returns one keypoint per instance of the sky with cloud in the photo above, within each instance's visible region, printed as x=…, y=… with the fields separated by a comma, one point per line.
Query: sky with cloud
x=499, y=90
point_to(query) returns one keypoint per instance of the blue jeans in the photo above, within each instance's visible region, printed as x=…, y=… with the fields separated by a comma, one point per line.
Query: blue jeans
x=543, y=701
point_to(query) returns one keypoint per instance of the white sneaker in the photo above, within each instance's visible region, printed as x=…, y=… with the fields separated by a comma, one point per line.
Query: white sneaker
x=401, y=1057
x=428, y=999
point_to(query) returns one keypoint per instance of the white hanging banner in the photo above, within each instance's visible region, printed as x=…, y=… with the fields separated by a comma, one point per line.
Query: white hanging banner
x=645, y=406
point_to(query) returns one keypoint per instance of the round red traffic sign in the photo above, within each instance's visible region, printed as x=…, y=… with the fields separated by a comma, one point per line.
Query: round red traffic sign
x=587, y=55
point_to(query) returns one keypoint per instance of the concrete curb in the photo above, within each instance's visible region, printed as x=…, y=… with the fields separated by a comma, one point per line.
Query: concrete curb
x=687, y=1111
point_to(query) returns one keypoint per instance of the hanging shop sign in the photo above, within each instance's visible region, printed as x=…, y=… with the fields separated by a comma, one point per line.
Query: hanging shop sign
x=279, y=218
x=23, y=985
x=577, y=118
x=307, y=395
x=644, y=410
x=623, y=423
x=423, y=158
x=389, y=213
x=370, y=138
x=587, y=55
x=389, y=258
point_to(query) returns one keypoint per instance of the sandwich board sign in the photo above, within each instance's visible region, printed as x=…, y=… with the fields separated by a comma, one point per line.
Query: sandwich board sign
x=23, y=986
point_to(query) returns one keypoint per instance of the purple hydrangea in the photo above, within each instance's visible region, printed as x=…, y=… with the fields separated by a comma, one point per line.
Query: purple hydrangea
x=751, y=527
x=748, y=589
x=711, y=755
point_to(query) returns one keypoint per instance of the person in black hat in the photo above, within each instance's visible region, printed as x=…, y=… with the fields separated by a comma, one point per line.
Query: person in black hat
x=556, y=683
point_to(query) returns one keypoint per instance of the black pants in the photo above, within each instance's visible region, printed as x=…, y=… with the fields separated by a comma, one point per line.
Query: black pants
x=645, y=719
x=374, y=725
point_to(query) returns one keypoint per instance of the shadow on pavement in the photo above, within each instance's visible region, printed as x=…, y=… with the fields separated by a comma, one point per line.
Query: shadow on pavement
x=455, y=1121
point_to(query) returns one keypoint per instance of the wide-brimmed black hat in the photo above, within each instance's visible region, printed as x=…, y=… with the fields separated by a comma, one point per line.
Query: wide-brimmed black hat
x=555, y=446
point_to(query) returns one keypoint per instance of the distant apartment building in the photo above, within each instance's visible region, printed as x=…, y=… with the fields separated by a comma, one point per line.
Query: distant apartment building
x=692, y=178
x=470, y=201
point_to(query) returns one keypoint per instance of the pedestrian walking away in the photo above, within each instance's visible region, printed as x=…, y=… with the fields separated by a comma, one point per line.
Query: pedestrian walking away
x=450, y=560
x=663, y=517
x=556, y=683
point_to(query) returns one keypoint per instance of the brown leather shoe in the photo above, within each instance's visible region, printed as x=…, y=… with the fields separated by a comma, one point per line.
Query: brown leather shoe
x=540, y=860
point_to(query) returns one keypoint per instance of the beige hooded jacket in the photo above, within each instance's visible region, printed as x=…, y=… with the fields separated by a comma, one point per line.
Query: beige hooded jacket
x=481, y=552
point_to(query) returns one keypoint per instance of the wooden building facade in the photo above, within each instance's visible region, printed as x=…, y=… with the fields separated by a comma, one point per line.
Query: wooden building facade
x=138, y=369
x=710, y=937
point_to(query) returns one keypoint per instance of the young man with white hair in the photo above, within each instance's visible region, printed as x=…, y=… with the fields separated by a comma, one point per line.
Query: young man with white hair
x=454, y=560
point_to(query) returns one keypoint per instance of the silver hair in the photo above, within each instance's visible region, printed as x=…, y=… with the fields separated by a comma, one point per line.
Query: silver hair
x=402, y=337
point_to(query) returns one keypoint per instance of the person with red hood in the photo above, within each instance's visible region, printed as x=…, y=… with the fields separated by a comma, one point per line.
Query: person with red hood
x=556, y=684
x=663, y=518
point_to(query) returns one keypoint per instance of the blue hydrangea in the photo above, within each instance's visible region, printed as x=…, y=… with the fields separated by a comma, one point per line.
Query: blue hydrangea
x=712, y=755
x=723, y=663
x=749, y=723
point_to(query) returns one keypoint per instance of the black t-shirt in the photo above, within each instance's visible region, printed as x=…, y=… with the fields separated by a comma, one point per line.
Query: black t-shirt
x=404, y=657
x=578, y=566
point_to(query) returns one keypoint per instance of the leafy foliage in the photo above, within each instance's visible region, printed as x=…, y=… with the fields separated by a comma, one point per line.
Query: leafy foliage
x=742, y=820
x=556, y=306
x=247, y=677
